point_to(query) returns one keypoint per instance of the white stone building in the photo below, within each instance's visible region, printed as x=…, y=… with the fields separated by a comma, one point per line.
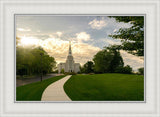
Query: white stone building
x=70, y=65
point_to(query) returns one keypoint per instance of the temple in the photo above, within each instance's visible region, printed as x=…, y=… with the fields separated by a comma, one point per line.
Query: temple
x=70, y=65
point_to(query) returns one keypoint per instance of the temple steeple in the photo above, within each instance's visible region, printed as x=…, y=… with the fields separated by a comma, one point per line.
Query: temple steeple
x=70, y=51
x=69, y=66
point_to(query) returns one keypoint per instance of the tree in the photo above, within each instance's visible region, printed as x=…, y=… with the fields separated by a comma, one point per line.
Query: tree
x=24, y=61
x=117, y=60
x=88, y=67
x=81, y=69
x=17, y=41
x=102, y=61
x=133, y=37
x=28, y=61
x=107, y=60
x=125, y=70
x=141, y=71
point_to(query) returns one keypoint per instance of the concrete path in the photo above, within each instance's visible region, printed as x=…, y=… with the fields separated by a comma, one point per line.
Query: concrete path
x=55, y=91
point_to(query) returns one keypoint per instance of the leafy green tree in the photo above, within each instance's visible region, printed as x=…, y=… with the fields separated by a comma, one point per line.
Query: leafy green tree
x=102, y=60
x=24, y=60
x=133, y=37
x=141, y=71
x=125, y=70
x=107, y=60
x=88, y=67
x=55, y=71
x=28, y=61
x=81, y=69
x=117, y=60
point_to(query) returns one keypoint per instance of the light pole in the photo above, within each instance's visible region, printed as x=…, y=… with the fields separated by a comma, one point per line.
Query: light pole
x=41, y=66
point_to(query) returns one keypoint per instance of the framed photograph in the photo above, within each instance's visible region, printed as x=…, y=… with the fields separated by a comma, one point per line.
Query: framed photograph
x=80, y=58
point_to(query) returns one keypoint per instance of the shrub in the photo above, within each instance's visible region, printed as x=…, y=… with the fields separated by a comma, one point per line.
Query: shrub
x=141, y=71
x=70, y=73
x=126, y=70
x=62, y=71
x=91, y=73
x=55, y=71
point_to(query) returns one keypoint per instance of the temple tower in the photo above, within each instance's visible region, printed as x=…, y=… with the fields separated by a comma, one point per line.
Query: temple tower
x=70, y=60
x=69, y=65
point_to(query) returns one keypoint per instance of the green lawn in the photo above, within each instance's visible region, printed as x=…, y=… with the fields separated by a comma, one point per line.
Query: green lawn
x=105, y=87
x=33, y=91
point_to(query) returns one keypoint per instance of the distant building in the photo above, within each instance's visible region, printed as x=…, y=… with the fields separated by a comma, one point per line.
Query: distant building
x=70, y=65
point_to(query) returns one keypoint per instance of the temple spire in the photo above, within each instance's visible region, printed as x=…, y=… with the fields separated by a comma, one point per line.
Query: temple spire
x=70, y=51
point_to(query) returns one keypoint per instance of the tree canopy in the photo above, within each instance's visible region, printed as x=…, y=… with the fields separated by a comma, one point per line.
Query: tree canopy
x=107, y=60
x=133, y=37
x=88, y=67
x=31, y=61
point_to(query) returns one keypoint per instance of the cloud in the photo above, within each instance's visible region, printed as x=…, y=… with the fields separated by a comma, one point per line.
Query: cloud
x=23, y=30
x=59, y=49
x=115, y=30
x=113, y=42
x=82, y=52
x=82, y=36
x=134, y=61
x=98, y=24
x=41, y=36
x=59, y=34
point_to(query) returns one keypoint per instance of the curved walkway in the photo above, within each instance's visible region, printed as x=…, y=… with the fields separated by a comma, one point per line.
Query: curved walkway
x=55, y=91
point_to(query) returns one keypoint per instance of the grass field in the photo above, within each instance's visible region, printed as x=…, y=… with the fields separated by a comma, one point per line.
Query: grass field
x=105, y=87
x=33, y=91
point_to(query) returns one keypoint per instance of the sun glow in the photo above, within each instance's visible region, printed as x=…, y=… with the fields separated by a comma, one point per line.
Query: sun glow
x=59, y=48
x=27, y=41
x=47, y=43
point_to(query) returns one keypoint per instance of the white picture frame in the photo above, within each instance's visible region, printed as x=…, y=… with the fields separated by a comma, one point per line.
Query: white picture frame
x=151, y=9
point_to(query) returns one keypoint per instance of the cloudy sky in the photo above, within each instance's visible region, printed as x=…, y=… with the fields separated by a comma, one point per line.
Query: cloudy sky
x=88, y=35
